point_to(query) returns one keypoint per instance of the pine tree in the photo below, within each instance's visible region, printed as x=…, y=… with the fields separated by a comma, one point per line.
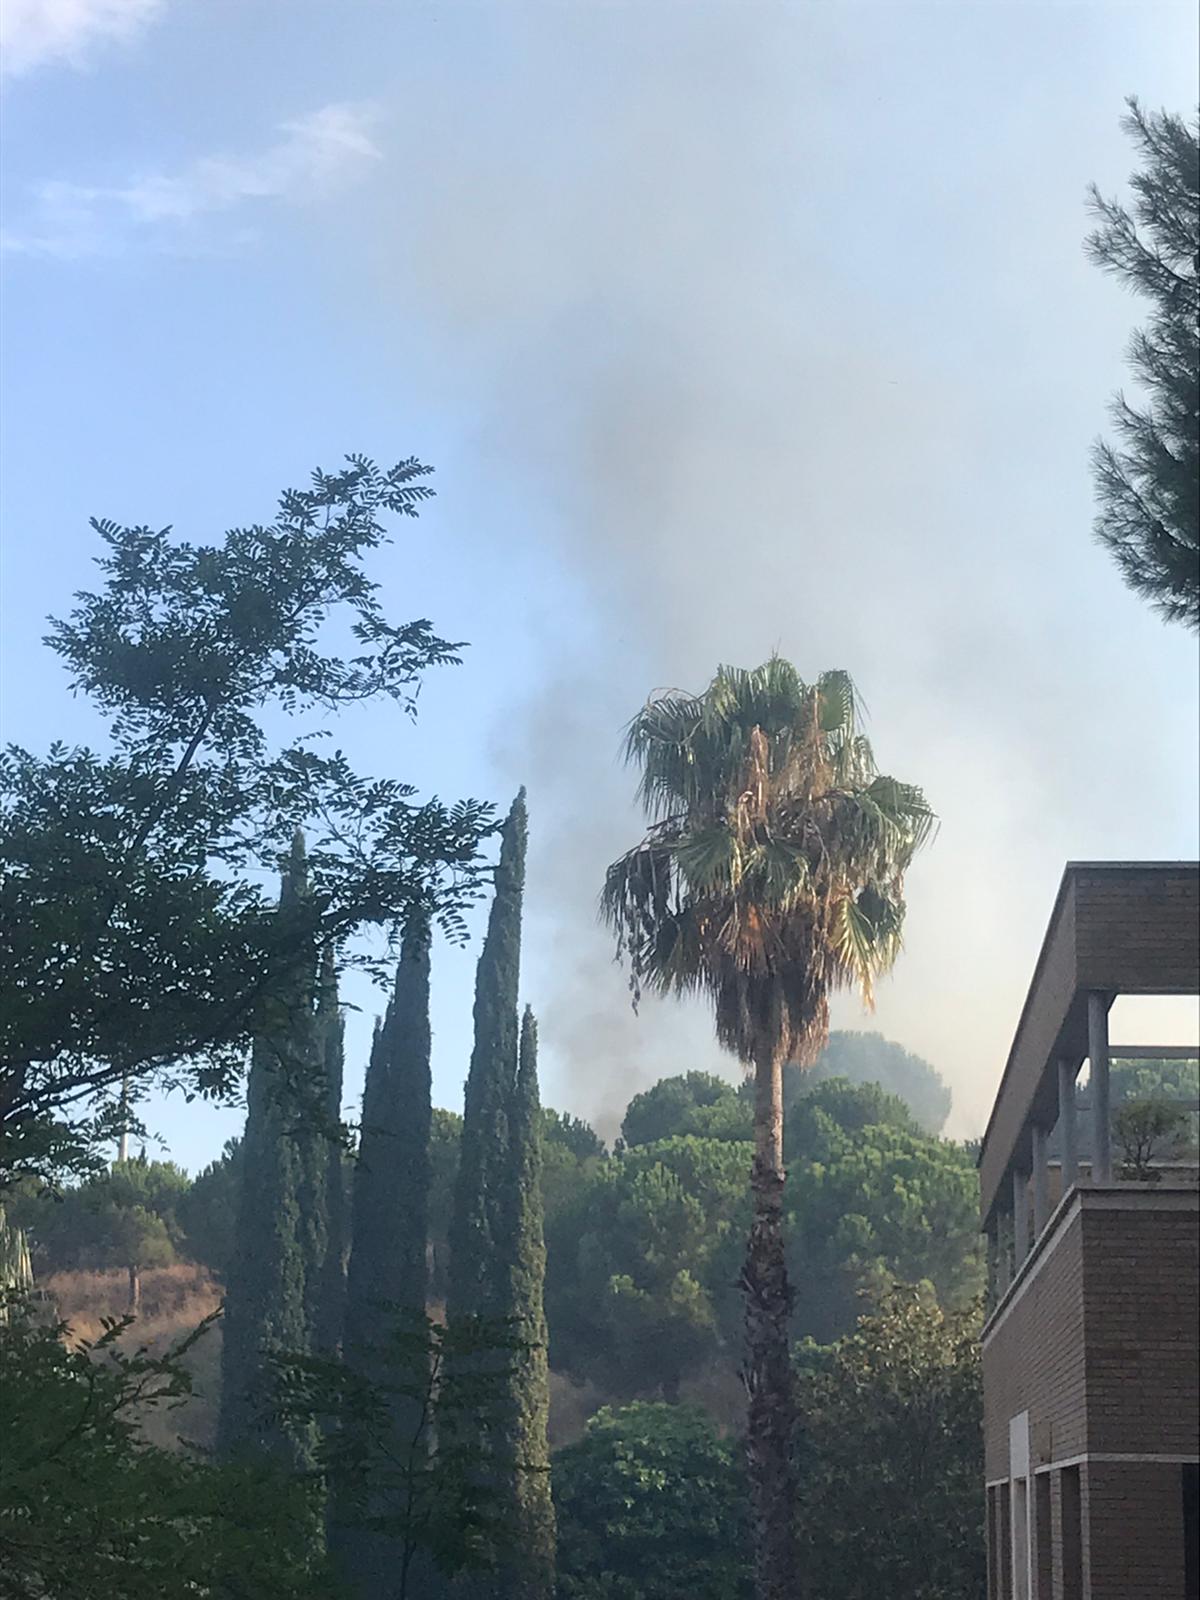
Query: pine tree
x=266, y=1300
x=387, y=1276
x=534, y=1522
x=480, y=1242
x=1149, y=487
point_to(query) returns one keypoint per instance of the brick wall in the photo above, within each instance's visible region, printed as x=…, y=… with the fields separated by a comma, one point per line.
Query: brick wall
x=1135, y=930
x=1034, y=1361
x=1141, y=1290
x=1135, y=1523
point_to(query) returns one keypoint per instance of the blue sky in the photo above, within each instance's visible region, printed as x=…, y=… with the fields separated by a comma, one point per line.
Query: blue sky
x=727, y=328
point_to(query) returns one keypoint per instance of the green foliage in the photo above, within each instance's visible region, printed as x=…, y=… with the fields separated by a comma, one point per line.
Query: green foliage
x=694, y=1103
x=651, y=1506
x=1149, y=485
x=129, y=1216
x=397, y=1439
x=644, y=1249
x=87, y=1509
x=134, y=938
x=208, y=1210
x=445, y=1138
x=387, y=1270
x=481, y=1236
x=1147, y=1131
x=1171, y=1080
x=890, y=1456
x=392, y=1169
x=643, y=1262
x=277, y=1274
x=533, y=1575
x=870, y=1058
x=870, y=1200
x=574, y=1135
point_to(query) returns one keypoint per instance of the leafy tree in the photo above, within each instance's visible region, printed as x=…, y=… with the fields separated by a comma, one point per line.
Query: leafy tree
x=870, y=1058
x=1148, y=486
x=208, y=1211
x=387, y=1271
x=87, y=1508
x=873, y=1200
x=1146, y=1131
x=643, y=1255
x=643, y=1264
x=890, y=1456
x=651, y=1505
x=572, y=1134
x=695, y=1102
x=135, y=942
x=771, y=874
x=127, y=1217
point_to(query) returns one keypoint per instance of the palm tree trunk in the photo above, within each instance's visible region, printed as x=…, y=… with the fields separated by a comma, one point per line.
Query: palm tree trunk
x=768, y=1371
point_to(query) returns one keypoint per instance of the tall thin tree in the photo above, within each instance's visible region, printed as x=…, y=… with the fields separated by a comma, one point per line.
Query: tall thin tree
x=387, y=1276
x=534, y=1526
x=772, y=872
x=480, y=1240
x=497, y=1261
x=266, y=1300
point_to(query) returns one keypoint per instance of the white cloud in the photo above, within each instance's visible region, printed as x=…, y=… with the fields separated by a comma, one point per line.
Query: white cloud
x=311, y=154
x=34, y=33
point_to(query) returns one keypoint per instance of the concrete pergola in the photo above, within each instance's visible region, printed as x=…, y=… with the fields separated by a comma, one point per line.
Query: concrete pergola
x=1125, y=927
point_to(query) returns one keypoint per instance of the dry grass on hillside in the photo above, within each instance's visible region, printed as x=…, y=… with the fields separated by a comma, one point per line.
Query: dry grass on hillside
x=174, y=1300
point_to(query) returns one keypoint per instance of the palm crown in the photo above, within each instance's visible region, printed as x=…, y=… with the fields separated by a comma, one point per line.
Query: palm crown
x=773, y=868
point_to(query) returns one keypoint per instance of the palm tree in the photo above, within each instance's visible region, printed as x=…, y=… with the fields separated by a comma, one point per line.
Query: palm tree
x=771, y=874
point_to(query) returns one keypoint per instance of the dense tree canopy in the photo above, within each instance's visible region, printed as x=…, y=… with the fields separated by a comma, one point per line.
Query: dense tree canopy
x=644, y=1251
x=1148, y=484
x=652, y=1505
x=891, y=1456
x=87, y=1508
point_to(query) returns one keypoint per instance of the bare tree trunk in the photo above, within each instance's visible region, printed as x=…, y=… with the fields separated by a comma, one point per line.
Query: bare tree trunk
x=768, y=1370
x=135, y=1288
x=123, y=1136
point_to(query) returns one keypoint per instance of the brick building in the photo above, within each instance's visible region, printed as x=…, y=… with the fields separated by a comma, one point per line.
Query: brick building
x=1090, y=1341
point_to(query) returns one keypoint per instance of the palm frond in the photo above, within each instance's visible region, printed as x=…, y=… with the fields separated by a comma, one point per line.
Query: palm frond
x=773, y=868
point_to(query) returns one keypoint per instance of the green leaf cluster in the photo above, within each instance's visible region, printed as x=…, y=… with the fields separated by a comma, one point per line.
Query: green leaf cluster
x=87, y=1508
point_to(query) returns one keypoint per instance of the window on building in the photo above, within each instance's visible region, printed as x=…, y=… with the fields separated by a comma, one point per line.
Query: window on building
x=1191, y=1531
x=1072, y=1533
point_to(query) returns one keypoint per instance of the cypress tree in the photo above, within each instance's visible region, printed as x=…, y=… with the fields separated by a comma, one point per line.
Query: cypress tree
x=480, y=1239
x=265, y=1301
x=531, y=1374
x=497, y=1262
x=387, y=1275
x=391, y=1174
x=330, y=1027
